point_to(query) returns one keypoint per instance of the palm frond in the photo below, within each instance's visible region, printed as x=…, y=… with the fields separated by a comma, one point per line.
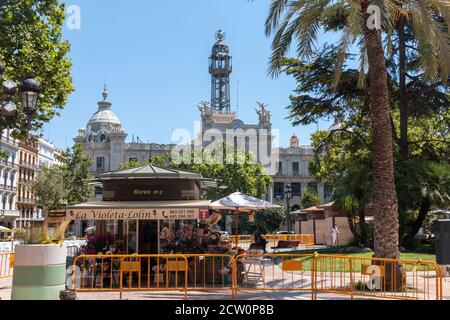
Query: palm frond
x=433, y=35
x=363, y=65
x=272, y=21
x=302, y=21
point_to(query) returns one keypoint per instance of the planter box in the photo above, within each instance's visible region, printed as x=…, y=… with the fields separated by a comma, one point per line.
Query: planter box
x=39, y=272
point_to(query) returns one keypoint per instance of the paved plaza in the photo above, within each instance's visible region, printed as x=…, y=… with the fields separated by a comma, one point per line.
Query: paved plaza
x=6, y=286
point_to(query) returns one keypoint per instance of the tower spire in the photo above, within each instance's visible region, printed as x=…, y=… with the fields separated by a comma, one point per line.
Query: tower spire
x=220, y=68
x=105, y=92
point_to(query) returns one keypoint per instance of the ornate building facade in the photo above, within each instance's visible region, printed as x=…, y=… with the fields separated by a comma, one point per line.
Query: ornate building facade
x=26, y=201
x=9, y=169
x=103, y=140
x=292, y=169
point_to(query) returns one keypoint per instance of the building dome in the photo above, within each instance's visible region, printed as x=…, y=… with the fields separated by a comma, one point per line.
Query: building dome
x=104, y=119
x=106, y=116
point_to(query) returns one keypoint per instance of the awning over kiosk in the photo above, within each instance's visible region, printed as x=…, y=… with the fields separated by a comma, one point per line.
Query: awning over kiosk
x=140, y=210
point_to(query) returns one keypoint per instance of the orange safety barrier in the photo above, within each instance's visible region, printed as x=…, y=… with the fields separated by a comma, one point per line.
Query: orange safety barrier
x=304, y=239
x=378, y=278
x=145, y=272
x=273, y=272
x=331, y=275
x=157, y=272
x=242, y=239
x=303, y=274
x=6, y=265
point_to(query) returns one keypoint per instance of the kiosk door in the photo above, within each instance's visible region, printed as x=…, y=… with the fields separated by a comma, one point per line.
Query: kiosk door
x=148, y=237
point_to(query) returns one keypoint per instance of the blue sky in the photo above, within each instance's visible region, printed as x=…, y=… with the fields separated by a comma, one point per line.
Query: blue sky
x=154, y=58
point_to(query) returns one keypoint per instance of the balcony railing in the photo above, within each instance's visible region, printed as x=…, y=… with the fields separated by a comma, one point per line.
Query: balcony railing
x=7, y=163
x=9, y=213
x=28, y=165
x=9, y=140
x=26, y=201
x=8, y=188
x=26, y=181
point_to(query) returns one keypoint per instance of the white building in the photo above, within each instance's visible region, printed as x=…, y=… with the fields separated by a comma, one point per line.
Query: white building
x=9, y=168
x=103, y=140
x=46, y=156
x=293, y=169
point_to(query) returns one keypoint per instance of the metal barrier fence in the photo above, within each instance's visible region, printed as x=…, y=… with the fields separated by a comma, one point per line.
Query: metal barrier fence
x=6, y=265
x=152, y=272
x=303, y=239
x=311, y=274
x=378, y=278
x=242, y=239
x=340, y=275
x=273, y=272
x=187, y=272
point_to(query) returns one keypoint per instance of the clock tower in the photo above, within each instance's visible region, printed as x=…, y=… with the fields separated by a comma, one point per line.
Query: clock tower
x=220, y=68
x=219, y=121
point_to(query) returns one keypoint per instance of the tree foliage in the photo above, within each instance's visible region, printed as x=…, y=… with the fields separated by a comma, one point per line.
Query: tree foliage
x=31, y=43
x=242, y=174
x=303, y=21
x=49, y=189
x=266, y=222
x=309, y=199
x=57, y=187
x=76, y=170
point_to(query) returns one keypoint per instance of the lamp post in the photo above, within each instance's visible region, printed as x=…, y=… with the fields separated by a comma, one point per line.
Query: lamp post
x=29, y=89
x=288, y=195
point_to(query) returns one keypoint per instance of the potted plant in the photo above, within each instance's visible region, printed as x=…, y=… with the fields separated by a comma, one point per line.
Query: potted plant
x=40, y=264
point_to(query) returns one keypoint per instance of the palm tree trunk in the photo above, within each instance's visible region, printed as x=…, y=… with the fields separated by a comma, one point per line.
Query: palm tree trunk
x=385, y=204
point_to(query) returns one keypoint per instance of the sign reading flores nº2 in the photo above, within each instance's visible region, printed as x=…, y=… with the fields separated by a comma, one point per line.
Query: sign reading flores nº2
x=136, y=214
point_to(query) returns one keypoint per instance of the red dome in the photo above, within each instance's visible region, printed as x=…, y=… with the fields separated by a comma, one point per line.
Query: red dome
x=294, y=138
x=294, y=141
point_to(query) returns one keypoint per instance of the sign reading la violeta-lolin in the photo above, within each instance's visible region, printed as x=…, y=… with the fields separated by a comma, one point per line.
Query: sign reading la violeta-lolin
x=137, y=214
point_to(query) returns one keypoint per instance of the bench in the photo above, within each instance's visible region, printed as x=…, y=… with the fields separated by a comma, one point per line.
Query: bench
x=286, y=245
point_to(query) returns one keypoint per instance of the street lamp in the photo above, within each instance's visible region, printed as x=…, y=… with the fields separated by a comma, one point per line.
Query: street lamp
x=29, y=89
x=288, y=195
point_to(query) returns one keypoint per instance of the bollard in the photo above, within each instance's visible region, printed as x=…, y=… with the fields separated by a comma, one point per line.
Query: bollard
x=68, y=295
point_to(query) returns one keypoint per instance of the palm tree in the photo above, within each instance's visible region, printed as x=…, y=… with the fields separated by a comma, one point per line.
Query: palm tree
x=301, y=20
x=433, y=184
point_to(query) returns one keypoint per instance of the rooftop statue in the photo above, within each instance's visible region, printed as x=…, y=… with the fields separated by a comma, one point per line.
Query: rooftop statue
x=205, y=109
x=263, y=113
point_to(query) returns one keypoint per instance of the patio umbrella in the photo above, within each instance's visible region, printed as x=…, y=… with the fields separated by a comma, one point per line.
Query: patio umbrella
x=241, y=202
